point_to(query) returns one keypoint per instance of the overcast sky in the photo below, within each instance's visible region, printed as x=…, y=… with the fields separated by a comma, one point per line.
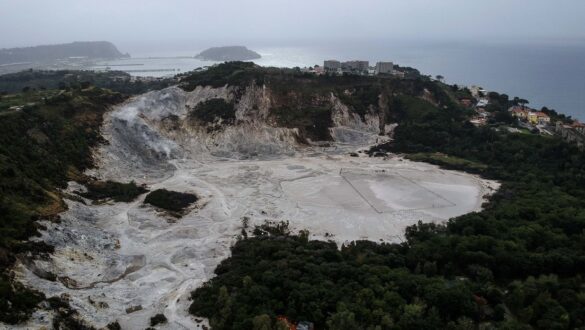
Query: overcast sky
x=131, y=22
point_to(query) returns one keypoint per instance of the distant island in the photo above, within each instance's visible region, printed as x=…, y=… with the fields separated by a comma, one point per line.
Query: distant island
x=50, y=53
x=228, y=53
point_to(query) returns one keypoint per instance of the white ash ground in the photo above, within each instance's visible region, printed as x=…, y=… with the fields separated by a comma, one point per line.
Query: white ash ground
x=117, y=256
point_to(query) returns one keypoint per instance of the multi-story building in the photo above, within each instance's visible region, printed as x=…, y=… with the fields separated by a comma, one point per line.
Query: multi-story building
x=332, y=66
x=359, y=67
x=384, y=68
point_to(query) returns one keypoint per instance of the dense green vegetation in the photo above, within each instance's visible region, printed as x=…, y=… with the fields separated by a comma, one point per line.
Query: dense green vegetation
x=229, y=73
x=16, y=302
x=119, y=192
x=518, y=264
x=158, y=319
x=303, y=100
x=46, y=136
x=41, y=80
x=40, y=147
x=363, y=284
x=313, y=122
x=213, y=110
x=361, y=98
x=170, y=200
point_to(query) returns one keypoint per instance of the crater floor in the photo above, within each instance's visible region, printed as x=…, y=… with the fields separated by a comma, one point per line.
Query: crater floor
x=127, y=262
x=128, y=255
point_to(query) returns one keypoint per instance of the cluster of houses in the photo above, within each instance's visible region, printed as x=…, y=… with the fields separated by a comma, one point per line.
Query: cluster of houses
x=530, y=116
x=574, y=132
x=478, y=102
x=524, y=114
x=358, y=67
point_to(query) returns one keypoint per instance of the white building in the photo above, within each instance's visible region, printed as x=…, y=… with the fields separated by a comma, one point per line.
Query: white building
x=332, y=66
x=360, y=67
x=482, y=103
x=384, y=68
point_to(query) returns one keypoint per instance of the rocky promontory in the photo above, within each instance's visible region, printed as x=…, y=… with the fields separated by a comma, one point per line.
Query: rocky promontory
x=49, y=53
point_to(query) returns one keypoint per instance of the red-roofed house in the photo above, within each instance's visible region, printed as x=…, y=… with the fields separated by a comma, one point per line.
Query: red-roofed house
x=519, y=112
x=578, y=126
x=542, y=117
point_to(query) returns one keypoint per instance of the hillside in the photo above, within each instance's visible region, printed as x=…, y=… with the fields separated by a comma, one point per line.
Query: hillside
x=49, y=53
x=228, y=53
x=46, y=136
x=59, y=79
x=295, y=219
x=308, y=103
x=516, y=264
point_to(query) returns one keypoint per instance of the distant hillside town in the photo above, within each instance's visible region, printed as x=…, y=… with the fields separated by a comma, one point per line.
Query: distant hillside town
x=357, y=67
x=520, y=117
x=524, y=118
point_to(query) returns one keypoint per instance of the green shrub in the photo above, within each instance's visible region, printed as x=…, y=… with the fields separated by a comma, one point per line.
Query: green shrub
x=158, y=319
x=119, y=192
x=212, y=110
x=170, y=200
x=313, y=122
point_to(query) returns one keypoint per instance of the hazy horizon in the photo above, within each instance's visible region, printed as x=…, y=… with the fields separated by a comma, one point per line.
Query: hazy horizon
x=133, y=25
x=455, y=38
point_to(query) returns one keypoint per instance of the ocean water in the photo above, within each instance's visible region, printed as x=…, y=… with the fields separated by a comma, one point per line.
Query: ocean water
x=547, y=74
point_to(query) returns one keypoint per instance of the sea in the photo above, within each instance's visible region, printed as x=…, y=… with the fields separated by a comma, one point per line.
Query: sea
x=550, y=74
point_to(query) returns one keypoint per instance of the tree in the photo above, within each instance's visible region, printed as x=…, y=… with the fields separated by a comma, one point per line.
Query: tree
x=281, y=325
x=304, y=235
x=504, y=117
x=519, y=101
x=440, y=78
x=224, y=305
x=343, y=320
x=262, y=322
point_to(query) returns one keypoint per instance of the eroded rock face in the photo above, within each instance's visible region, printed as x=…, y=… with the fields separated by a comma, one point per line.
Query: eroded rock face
x=151, y=129
x=111, y=258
